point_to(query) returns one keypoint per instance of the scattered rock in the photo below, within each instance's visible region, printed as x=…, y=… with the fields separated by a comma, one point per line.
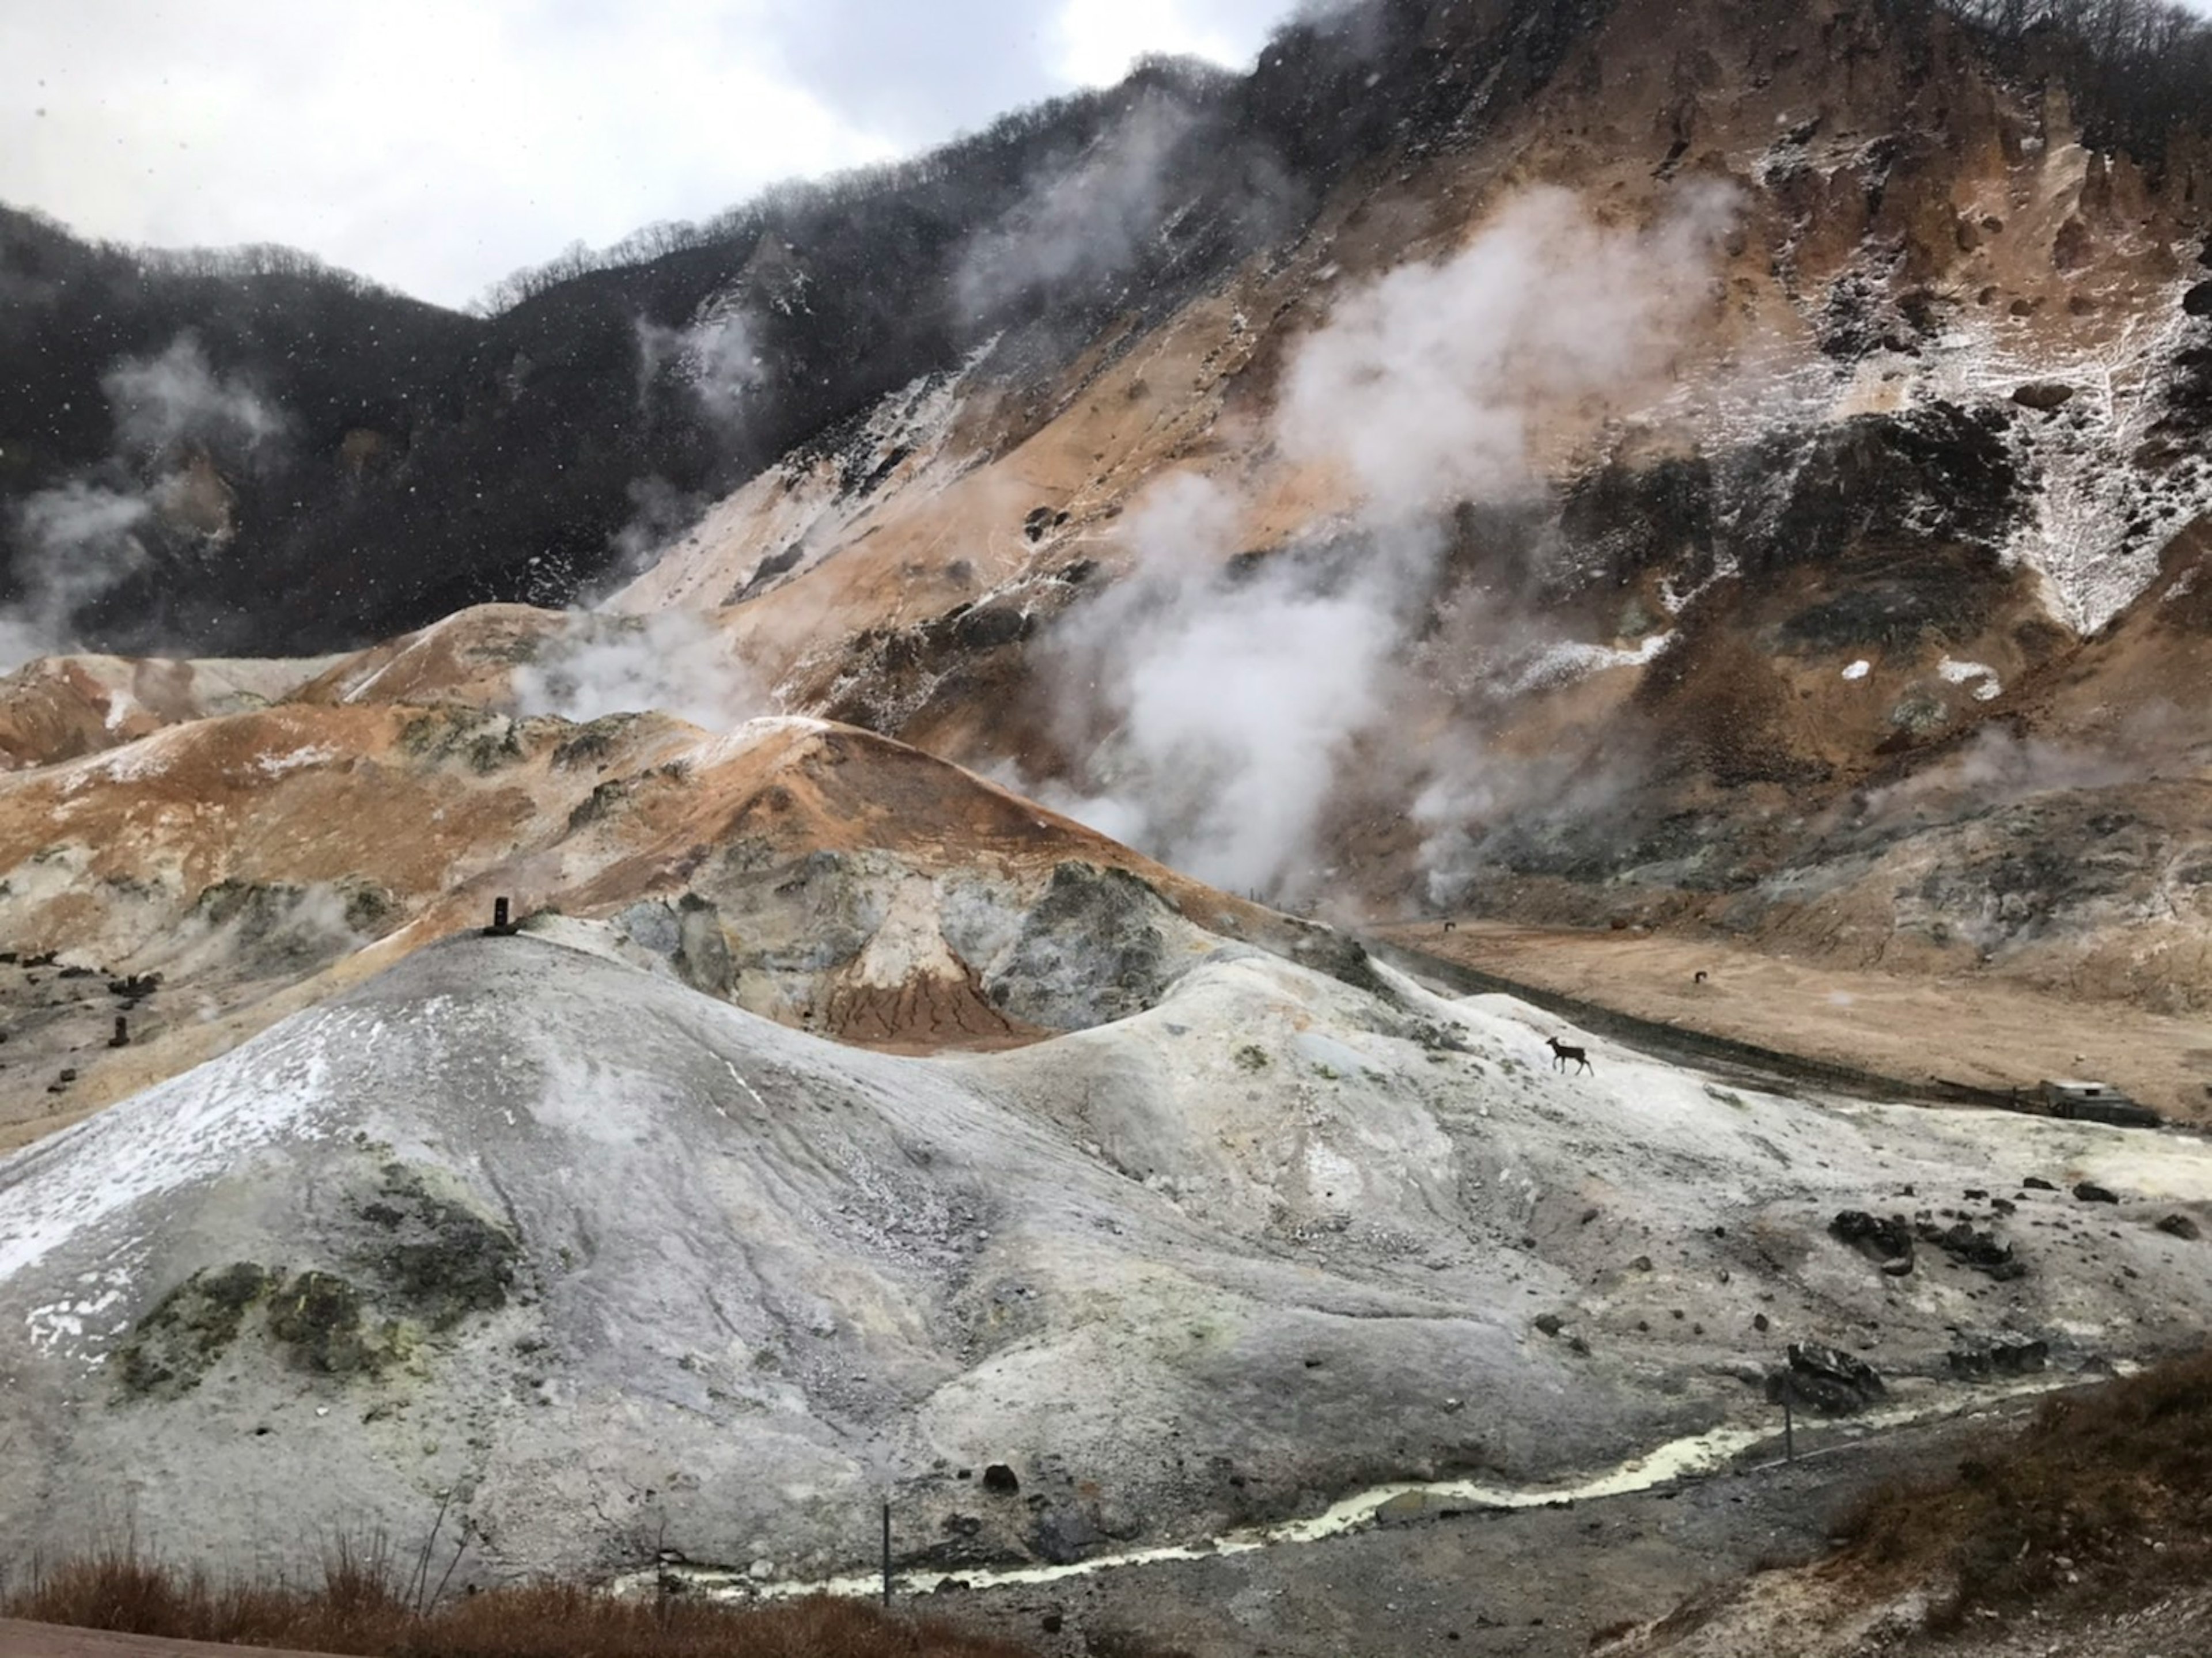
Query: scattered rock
x=2181, y=1226
x=1550, y=1323
x=2197, y=301
x=2090, y=1191
x=1000, y=1478
x=2037, y=1183
x=1982, y=1251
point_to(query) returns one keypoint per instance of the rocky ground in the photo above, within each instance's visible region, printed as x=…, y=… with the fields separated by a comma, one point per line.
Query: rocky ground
x=1547, y=1583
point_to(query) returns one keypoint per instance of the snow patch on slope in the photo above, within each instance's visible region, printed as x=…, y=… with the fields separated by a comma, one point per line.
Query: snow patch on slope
x=802, y=506
x=210, y=1122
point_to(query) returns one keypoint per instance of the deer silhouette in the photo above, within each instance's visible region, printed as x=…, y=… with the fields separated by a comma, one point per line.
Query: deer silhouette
x=1561, y=1054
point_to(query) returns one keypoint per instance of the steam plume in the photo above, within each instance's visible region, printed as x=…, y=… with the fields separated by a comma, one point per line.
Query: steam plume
x=176, y=397
x=1221, y=713
x=75, y=542
x=672, y=660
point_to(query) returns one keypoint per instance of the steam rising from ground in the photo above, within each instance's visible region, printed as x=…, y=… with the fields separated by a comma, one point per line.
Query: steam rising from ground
x=1424, y=385
x=659, y=513
x=1997, y=767
x=1218, y=710
x=72, y=544
x=1228, y=701
x=674, y=661
x=1082, y=221
x=75, y=542
x=176, y=398
x=715, y=358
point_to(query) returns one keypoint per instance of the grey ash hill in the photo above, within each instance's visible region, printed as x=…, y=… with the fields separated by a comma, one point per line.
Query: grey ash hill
x=624, y=1269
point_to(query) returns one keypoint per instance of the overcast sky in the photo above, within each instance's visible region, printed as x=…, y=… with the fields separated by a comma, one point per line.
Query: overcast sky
x=437, y=144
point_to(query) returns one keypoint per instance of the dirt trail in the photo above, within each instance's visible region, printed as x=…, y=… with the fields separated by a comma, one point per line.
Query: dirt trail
x=23, y=1640
x=1985, y=1035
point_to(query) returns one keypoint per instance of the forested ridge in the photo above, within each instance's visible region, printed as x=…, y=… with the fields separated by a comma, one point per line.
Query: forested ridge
x=392, y=461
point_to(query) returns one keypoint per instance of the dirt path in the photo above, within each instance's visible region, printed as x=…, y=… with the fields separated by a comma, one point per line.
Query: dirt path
x=1985, y=1035
x=22, y=1640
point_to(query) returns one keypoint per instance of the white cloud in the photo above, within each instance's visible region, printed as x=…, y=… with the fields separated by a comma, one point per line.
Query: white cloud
x=1096, y=40
x=437, y=146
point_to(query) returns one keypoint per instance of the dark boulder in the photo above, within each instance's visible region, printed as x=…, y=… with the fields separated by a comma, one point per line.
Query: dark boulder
x=2197, y=301
x=1878, y=1240
x=1825, y=1379
x=2044, y=395
x=987, y=626
x=2037, y=1183
x=2181, y=1226
x=2008, y=1356
x=1000, y=1478
x=1063, y=1536
x=2090, y=1191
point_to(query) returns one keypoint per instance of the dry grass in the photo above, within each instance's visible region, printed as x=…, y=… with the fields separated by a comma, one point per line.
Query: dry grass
x=360, y=1607
x=2105, y=1490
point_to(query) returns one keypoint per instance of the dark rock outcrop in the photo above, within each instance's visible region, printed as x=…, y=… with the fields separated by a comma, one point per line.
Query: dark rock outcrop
x=1878, y=1240
x=2007, y=1356
x=1825, y=1379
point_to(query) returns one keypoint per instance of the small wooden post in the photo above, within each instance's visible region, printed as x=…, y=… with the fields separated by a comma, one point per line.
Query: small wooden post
x=1788, y=1430
x=122, y=1037
x=499, y=915
x=887, y=1550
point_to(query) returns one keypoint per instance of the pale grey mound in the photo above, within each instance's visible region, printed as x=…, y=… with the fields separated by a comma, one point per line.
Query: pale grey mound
x=635, y=1269
x=629, y=1269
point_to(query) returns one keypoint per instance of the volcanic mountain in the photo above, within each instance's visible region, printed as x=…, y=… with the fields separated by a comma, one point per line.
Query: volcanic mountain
x=944, y=671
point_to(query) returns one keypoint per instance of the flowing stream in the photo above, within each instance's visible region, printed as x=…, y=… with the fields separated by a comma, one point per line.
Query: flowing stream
x=1678, y=1459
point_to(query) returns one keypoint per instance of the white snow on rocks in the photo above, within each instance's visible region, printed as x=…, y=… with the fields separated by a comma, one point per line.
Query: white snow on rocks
x=1574, y=660
x=1979, y=675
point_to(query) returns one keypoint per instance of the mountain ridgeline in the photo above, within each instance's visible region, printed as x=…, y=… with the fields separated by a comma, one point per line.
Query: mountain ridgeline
x=403, y=461
x=248, y=452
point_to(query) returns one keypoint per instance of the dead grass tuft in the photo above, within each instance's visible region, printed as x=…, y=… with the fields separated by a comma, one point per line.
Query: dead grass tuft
x=2106, y=1490
x=359, y=1608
